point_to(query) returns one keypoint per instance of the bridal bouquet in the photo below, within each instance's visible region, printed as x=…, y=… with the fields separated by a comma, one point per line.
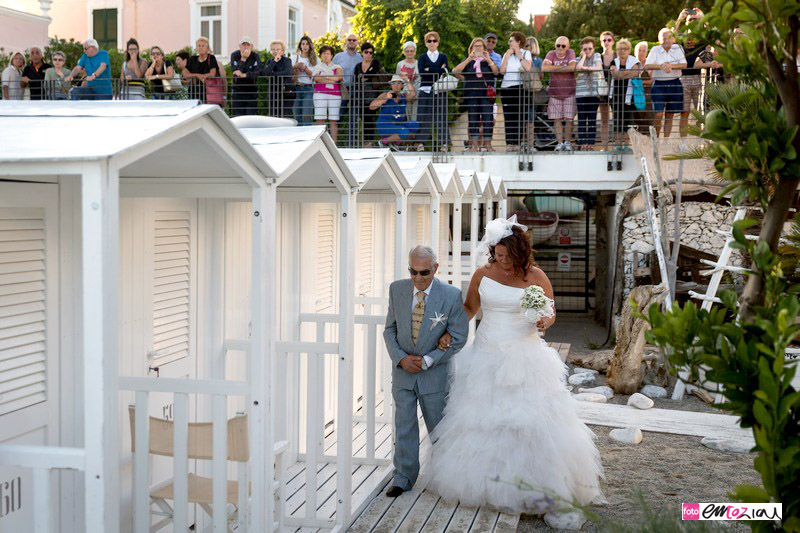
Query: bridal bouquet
x=535, y=304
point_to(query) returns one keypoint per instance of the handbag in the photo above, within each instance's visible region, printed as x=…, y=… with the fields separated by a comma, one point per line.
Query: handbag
x=172, y=85
x=601, y=83
x=532, y=79
x=638, y=94
x=445, y=83
x=491, y=94
x=215, y=91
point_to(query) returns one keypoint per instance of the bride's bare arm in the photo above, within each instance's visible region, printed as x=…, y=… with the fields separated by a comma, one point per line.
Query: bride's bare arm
x=471, y=306
x=473, y=303
x=541, y=279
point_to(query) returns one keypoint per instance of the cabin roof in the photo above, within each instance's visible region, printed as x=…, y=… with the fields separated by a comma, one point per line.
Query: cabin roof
x=449, y=179
x=487, y=188
x=499, y=187
x=304, y=157
x=376, y=170
x=469, y=180
x=420, y=175
x=56, y=131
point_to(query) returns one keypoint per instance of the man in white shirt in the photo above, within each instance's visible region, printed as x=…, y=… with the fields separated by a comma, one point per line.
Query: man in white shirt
x=348, y=59
x=665, y=63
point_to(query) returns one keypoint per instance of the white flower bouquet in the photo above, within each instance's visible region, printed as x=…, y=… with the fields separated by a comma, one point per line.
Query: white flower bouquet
x=536, y=305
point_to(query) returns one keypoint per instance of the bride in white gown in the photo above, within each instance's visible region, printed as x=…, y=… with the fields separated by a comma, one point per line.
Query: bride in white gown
x=510, y=437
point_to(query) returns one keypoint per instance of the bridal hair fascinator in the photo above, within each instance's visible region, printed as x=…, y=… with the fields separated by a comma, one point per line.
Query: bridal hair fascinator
x=497, y=230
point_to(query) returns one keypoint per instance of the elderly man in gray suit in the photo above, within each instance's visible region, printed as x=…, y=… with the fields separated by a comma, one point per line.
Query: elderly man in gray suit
x=421, y=310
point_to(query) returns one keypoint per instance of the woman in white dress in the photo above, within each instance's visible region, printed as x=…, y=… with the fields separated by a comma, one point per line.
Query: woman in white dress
x=511, y=438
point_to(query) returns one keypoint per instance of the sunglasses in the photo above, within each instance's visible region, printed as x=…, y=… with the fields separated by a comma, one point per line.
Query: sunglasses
x=368, y=51
x=58, y=59
x=561, y=46
x=352, y=40
x=588, y=49
x=155, y=53
x=432, y=41
x=423, y=273
x=609, y=40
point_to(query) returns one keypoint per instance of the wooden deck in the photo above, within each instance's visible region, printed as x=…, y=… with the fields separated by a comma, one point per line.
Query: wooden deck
x=424, y=512
x=414, y=511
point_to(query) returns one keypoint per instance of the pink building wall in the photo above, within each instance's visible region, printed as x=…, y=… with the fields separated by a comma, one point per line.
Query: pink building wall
x=19, y=31
x=167, y=23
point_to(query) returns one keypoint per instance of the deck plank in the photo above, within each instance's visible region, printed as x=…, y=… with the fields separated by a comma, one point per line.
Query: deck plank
x=484, y=522
x=372, y=515
x=440, y=517
x=397, y=512
x=665, y=421
x=419, y=513
x=507, y=523
x=462, y=519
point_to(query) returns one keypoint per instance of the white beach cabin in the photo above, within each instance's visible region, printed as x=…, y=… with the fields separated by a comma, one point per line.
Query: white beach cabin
x=423, y=202
x=501, y=196
x=471, y=203
x=449, y=221
x=108, y=296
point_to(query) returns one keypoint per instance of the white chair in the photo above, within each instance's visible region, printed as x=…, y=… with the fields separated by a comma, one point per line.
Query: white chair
x=200, y=447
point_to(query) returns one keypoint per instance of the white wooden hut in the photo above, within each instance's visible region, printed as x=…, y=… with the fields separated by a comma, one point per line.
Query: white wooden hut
x=423, y=201
x=470, y=204
x=449, y=220
x=107, y=281
x=488, y=196
x=501, y=196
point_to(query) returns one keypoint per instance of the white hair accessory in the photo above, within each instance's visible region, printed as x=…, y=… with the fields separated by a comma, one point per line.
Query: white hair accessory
x=497, y=230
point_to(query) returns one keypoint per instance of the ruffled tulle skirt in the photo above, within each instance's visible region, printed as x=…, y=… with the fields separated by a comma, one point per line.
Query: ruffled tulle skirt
x=511, y=437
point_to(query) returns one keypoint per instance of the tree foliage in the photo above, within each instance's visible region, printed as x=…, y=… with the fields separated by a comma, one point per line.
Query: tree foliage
x=641, y=20
x=387, y=24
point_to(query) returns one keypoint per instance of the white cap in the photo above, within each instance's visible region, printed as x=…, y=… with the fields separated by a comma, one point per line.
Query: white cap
x=409, y=43
x=246, y=39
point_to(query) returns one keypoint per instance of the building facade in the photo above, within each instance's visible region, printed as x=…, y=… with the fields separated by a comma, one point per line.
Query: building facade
x=174, y=24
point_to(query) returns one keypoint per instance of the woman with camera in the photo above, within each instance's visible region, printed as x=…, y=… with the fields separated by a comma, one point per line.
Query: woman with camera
x=393, y=124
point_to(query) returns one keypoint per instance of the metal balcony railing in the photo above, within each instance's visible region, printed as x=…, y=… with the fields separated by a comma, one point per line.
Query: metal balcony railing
x=464, y=116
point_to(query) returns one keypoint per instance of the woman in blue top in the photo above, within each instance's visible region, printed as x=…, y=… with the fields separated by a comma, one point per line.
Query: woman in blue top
x=478, y=72
x=432, y=107
x=393, y=124
x=96, y=66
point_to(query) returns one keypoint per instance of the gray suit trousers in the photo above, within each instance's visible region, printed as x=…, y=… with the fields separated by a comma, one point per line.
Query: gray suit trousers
x=406, y=430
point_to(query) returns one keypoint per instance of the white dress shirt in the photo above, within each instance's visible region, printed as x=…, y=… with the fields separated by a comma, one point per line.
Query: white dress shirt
x=427, y=358
x=659, y=56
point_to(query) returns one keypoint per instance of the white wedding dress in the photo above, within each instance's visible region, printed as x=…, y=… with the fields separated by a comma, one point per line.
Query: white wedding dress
x=509, y=419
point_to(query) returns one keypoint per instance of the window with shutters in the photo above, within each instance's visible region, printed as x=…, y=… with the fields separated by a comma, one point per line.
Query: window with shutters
x=421, y=233
x=171, y=286
x=104, y=24
x=366, y=238
x=23, y=360
x=211, y=25
x=326, y=260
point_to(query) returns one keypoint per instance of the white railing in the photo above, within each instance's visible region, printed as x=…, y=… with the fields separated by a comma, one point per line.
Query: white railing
x=181, y=389
x=42, y=460
x=315, y=400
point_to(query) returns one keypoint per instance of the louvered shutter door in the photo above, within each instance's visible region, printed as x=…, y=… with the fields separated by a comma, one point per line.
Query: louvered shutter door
x=326, y=260
x=366, y=242
x=23, y=361
x=421, y=234
x=171, y=286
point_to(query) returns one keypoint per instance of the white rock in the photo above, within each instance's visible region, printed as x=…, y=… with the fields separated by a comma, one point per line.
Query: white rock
x=581, y=370
x=590, y=397
x=727, y=445
x=642, y=247
x=654, y=391
x=605, y=390
x=626, y=435
x=572, y=521
x=569, y=388
x=640, y=401
x=584, y=378
x=709, y=216
x=691, y=210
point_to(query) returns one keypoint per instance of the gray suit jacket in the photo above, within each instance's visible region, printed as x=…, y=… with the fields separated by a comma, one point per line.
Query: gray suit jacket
x=443, y=299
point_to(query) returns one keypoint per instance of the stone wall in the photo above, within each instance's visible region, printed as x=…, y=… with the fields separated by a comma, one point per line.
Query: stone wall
x=699, y=224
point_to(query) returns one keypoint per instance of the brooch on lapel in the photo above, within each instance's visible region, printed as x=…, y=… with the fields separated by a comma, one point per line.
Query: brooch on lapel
x=438, y=319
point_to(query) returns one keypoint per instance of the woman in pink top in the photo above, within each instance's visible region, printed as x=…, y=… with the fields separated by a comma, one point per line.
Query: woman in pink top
x=327, y=78
x=562, y=105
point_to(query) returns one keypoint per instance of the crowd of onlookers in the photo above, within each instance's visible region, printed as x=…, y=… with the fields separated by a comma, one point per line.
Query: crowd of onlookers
x=599, y=91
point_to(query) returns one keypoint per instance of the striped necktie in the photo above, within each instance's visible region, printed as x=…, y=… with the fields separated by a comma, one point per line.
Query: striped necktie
x=417, y=315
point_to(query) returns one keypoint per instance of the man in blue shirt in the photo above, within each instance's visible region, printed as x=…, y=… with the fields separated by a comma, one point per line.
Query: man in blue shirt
x=491, y=42
x=96, y=67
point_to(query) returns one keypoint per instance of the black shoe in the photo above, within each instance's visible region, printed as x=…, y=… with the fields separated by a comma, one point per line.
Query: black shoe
x=394, y=491
x=610, y=166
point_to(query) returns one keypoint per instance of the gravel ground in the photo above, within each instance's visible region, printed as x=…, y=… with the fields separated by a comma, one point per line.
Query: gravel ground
x=668, y=470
